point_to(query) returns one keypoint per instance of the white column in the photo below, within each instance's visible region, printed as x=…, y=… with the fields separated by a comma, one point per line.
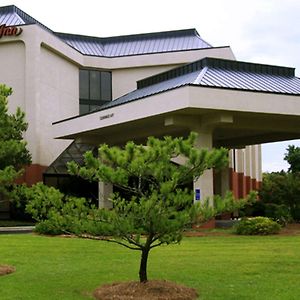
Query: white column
x=231, y=157
x=253, y=161
x=248, y=161
x=225, y=174
x=239, y=161
x=104, y=192
x=225, y=181
x=258, y=163
x=203, y=186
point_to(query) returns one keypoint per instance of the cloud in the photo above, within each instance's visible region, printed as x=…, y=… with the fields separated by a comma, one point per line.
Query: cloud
x=273, y=155
x=274, y=35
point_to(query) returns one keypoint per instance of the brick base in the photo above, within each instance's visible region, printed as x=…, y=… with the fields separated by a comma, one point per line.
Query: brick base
x=208, y=225
x=241, y=185
x=32, y=174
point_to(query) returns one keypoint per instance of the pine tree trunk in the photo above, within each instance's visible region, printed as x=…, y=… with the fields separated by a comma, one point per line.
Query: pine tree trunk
x=143, y=265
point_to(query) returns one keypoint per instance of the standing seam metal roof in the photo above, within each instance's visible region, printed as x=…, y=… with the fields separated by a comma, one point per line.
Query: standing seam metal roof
x=177, y=40
x=216, y=73
x=137, y=44
x=13, y=16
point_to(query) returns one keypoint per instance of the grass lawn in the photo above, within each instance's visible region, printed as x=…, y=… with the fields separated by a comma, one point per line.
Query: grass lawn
x=219, y=267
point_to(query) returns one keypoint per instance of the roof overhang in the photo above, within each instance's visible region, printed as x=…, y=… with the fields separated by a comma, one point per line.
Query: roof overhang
x=238, y=117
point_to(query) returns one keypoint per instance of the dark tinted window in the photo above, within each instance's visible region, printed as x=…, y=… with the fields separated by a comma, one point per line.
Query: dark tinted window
x=106, y=86
x=95, y=85
x=84, y=84
x=94, y=89
x=83, y=108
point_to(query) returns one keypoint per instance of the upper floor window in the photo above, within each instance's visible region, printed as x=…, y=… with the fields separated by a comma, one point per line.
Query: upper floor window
x=94, y=89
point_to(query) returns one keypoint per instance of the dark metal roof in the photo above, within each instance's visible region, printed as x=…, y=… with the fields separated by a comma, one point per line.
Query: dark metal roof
x=83, y=44
x=217, y=73
x=156, y=42
x=13, y=16
x=214, y=63
x=261, y=82
x=177, y=40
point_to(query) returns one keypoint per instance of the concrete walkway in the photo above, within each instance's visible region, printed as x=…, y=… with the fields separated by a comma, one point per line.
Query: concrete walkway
x=18, y=229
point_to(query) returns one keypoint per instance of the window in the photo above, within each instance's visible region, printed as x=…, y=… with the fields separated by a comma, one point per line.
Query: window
x=94, y=89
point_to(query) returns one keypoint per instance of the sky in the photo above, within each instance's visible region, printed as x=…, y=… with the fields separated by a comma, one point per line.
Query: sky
x=261, y=31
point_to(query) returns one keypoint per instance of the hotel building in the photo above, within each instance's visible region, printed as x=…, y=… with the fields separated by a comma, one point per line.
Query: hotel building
x=80, y=91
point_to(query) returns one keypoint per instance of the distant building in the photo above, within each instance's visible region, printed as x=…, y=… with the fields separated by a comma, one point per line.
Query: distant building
x=81, y=91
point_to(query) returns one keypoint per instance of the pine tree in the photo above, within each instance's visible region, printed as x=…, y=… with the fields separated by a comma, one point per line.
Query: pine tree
x=13, y=153
x=153, y=207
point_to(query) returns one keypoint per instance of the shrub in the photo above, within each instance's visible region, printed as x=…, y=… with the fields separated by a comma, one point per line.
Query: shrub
x=296, y=213
x=257, y=226
x=48, y=227
x=279, y=213
x=55, y=212
x=282, y=188
x=256, y=209
x=59, y=224
x=18, y=202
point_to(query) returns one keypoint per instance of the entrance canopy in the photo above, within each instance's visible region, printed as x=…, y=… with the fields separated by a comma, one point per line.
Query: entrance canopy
x=239, y=103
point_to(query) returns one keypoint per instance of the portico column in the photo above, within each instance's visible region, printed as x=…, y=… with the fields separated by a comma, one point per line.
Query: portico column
x=204, y=126
x=225, y=181
x=203, y=186
x=240, y=168
x=258, y=166
x=104, y=192
x=248, y=168
x=253, y=167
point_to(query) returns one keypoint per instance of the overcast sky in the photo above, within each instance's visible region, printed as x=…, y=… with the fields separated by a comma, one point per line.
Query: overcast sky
x=262, y=31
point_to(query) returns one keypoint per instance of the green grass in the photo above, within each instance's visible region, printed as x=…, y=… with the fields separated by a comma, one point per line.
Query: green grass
x=219, y=267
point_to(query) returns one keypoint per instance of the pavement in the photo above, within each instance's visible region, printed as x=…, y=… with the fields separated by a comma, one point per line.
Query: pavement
x=18, y=229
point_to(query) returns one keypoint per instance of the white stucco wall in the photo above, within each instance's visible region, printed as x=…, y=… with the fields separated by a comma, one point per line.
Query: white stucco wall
x=45, y=86
x=58, y=99
x=12, y=58
x=124, y=80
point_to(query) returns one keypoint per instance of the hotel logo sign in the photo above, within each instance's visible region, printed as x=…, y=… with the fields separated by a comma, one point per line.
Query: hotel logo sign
x=9, y=31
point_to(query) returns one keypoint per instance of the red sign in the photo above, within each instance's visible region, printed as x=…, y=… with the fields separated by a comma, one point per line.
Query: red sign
x=9, y=30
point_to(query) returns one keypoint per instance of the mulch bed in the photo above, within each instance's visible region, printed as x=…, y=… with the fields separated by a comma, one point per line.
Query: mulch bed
x=5, y=269
x=291, y=229
x=151, y=290
x=205, y=232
